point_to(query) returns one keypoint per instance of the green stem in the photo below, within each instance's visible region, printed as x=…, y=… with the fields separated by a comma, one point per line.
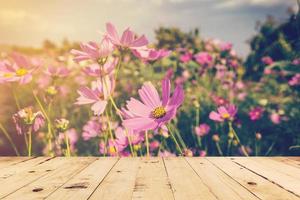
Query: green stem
x=6, y=134
x=68, y=151
x=16, y=97
x=173, y=137
x=179, y=137
x=110, y=132
x=29, y=142
x=219, y=149
x=147, y=143
x=238, y=140
x=49, y=124
x=229, y=142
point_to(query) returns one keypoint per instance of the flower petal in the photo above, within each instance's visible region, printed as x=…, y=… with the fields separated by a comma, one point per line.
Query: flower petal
x=138, y=108
x=99, y=107
x=149, y=95
x=140, y=124
x=166, y=89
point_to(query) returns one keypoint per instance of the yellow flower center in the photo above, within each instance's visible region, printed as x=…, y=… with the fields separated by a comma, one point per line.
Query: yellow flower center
x=21, y=72
x=159, y=112
x=225, y=116
x=101, y=61
x=112, y=149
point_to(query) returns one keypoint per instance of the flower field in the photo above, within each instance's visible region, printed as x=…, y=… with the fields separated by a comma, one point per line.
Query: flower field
x=122, y=96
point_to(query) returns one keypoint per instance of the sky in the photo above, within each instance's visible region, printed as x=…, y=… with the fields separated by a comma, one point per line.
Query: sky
x=29, y=22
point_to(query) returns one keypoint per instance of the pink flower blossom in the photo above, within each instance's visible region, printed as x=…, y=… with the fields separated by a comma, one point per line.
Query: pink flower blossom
x=267, y=60
x=26, y=120
x=224, y=113
x=202, y=130
x=275, y=118
x=185, y=58
x=154, y=145
x=225, y=46
x=153, y=112
x=296, y=61
x=150, y=54
x=97, y=95
x=127, y=40
x=59, y=72
x=93, y=51
x=95, y=70
x=92, y=128
x=256, y=113
x=204, y=58
x=20, y=70
x=295, y=80
x=202, y=153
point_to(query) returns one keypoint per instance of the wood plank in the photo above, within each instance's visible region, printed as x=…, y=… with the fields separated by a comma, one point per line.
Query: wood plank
x=186, y=184
x=8, y=161
x=222, y=185
x=287, y=160
x=259, y=186
x=11, y=170
x=279, y=166
x=47, y=184
x=120, y=181
x=296, y=158
x=23, y=178
x=287, y=182
x=152, y=181
x=83, y=184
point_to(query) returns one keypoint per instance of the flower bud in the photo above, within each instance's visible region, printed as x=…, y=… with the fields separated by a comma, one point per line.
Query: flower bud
x=235, y=143
x=230, y=135
x=188, y=153
x=51, y=90
x=258, y=136
x=216, y=138
x=62, y=124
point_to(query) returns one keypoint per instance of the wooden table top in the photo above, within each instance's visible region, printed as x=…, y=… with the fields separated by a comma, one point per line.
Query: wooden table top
x=208, y=178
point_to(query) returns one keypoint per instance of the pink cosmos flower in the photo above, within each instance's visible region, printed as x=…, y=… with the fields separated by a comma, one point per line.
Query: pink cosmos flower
x=150, y=54
x=127, y=40
x=185, y=58
x=296, y=61
x=202, y=130
x=224, y=113
x=20, y=70
x=295, y=80
x=154, y=145
x=97, y=95
x=203, y=58
x=91, y=129
x=59, y=72
x=267, y=60
x=93, y=51
x=26, y=120
x=256, y=113
x=95, y=70
x=275, y=118
x=202, y=153
x=153, y=112
x=225, y=46
x=219, y=101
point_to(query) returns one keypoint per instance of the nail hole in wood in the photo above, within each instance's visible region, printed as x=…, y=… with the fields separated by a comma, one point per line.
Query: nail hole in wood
x=31, y=171
x=37, y=189
x=77, y=186
x=252, y=183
